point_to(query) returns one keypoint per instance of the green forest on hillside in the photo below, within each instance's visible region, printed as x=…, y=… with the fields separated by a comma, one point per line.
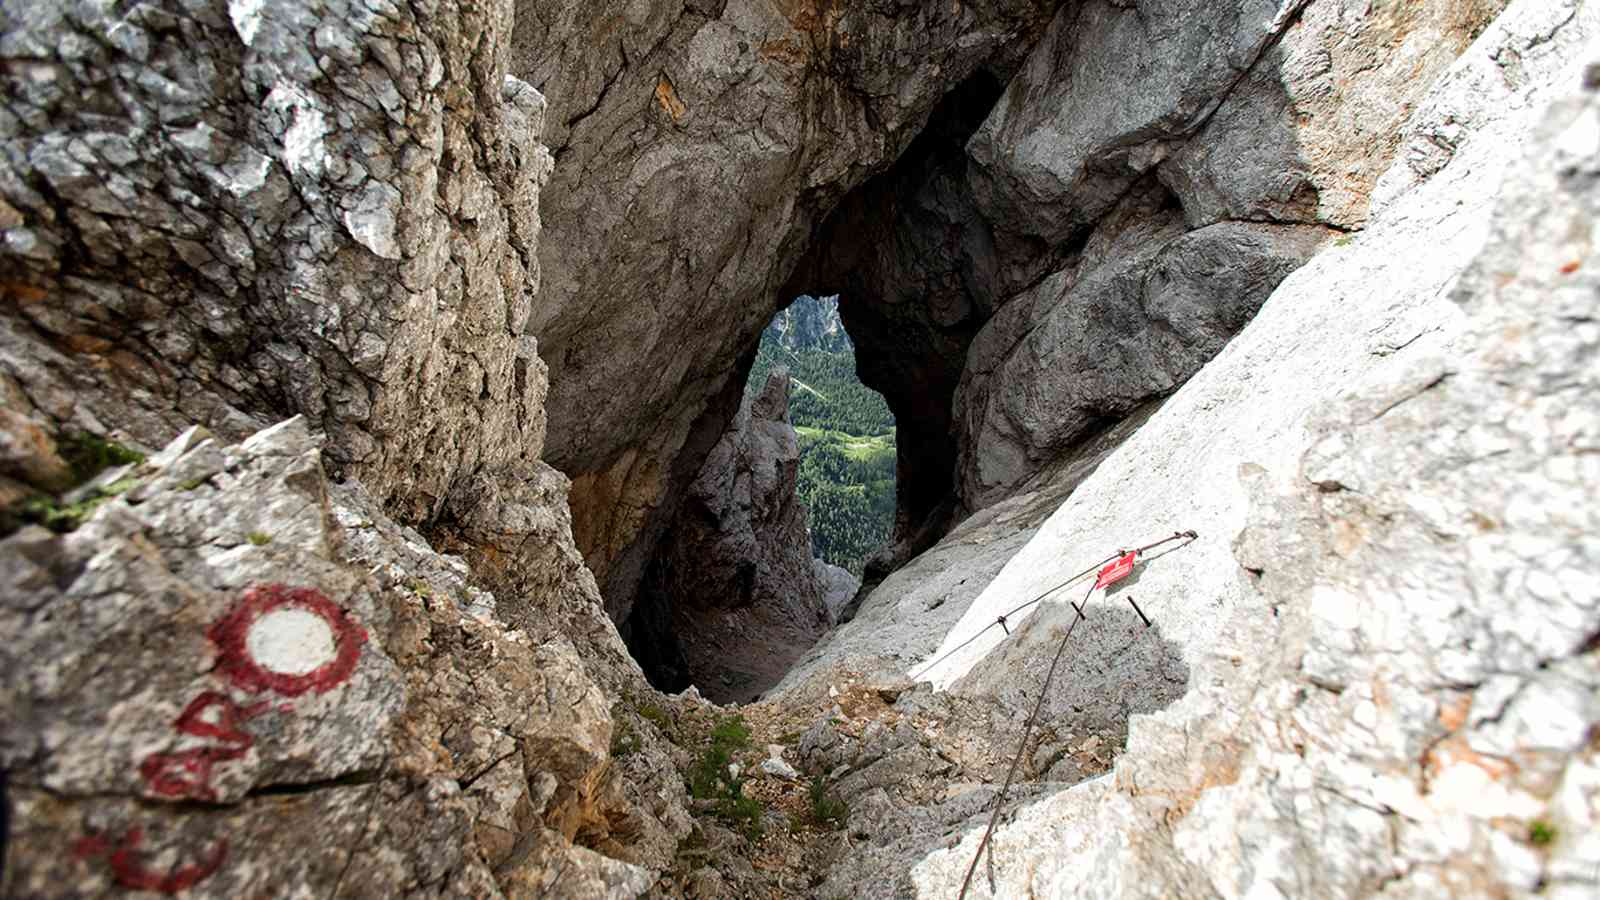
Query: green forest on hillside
x=847, y=450
x=824, y=392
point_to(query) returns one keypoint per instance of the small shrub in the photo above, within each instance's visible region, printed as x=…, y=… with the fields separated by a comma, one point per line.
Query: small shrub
x=1541, y=833
x=259, y=538
x=65, y=517
x=743, y=814
x=732, y=733
x=709, y=778
x=624, y=742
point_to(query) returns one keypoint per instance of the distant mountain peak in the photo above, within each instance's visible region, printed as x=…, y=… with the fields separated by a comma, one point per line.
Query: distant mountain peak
x=811, y=323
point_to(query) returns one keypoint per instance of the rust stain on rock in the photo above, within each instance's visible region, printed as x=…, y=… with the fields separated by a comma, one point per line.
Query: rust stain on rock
x=1454, y=715
x=1455, y=750
x=87, y=343
x=22, y=294
x=667, y=97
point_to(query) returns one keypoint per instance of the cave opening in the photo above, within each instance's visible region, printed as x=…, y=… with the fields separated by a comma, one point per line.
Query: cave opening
x=902, y=272
x=915, y=263
x=770, y=543
x=845, y=431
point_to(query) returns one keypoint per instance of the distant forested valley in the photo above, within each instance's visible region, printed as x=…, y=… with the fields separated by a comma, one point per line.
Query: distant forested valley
x=846, y=432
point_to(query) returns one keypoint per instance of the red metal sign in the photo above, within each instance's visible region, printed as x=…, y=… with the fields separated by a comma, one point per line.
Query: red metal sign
x=1116, y=571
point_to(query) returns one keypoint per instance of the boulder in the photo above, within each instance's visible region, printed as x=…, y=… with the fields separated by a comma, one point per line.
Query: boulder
x=1111, y=91
x=838, y=587
x=1130, y=323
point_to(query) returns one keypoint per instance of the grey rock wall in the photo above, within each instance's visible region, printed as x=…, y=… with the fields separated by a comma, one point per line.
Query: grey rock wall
x=1389, y=613
x=1109, y=92
x=225, y=213
x=1088, y=346
x=1257, y=116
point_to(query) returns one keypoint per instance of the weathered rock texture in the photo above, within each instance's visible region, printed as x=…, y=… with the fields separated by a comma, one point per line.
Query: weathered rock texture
x=838, y=587
x=734, y=598
x=811, y=322
x=699, y=144
x=1389, y=615
x=1139, y=313
x=240, y=679
x=225, y=213
x=1054, y=252
x=1253, y=116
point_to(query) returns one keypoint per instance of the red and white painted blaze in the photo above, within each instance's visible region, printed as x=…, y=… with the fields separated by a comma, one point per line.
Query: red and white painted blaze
x=288, y=641
x=291, y=641
x=276, y=638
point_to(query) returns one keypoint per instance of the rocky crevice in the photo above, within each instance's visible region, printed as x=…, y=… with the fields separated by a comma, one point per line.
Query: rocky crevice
x=734, y=597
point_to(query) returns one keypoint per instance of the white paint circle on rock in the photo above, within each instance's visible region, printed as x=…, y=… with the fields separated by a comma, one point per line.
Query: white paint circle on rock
x=291, y=641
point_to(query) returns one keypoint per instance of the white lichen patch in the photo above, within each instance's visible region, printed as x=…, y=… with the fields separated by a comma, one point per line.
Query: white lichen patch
x=372, y=221
x=290, y=642
x=246, y=16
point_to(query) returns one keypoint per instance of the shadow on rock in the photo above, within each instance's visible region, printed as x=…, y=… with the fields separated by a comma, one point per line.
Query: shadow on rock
x=1113, y=667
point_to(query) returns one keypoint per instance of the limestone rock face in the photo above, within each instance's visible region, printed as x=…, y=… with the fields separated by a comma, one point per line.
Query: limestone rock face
x=736, y=584
x=1255, y=116
x=226, y=213
x=1131, y=322
x=1307, y=131
x=1109, y=91
x=240, y=679
x=699, y=144
x=1388, y=615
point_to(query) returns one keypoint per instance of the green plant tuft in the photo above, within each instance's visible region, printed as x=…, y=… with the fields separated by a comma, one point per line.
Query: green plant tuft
x=709, y=778
x=1541, y=833
x=731, y=732
x=65, y=517
x=827, y=811
x=743, y=814
x=88, y=455
x=658, y=717
x=259, y=538
x=624, y=742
